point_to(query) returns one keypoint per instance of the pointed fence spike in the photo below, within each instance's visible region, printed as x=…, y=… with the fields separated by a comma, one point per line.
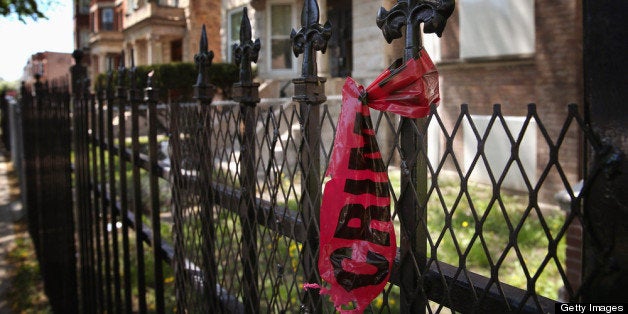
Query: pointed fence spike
x=203, y=46
x=120, y=91
x=245, y=27
x=203, y=59
x=310, y=14
x=122, y=57
x=310, y=38
x=78, y=56
x=246, y=52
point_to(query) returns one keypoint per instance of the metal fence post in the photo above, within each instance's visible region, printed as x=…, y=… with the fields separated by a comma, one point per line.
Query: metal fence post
x=246, y=93
x=4, y=122
x=99, y=285
x=113, y=212
x=204, y=93
x=134, y=97
x=412, y=206
x=151, y=97
x=605, y=213
x=309, y=92
x=121, y=96
x=105, y=208
x=80, y=100
x=49, y=192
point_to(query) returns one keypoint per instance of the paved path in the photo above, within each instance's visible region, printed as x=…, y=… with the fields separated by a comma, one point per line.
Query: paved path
x=10, y=211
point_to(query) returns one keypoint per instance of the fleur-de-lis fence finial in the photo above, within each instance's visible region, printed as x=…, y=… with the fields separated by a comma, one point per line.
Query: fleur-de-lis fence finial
x=310, y=38
x=203, y=60
x=120, y=90
x=247, y=51
x=410, y=13
x=150, y=92
x=79, y=73
x=133, y=95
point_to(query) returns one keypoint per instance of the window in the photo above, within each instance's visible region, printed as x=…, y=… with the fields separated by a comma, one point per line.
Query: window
x=233, y=37
x=106, y=19
x=491, y=28
x=176, y=50
x=92, y=22
x=168, y=3
x=83, y=7
x=83, y=38
x=281, y=18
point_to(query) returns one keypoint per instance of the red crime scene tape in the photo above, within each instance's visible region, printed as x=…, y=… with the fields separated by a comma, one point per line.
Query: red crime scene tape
x=357, y=235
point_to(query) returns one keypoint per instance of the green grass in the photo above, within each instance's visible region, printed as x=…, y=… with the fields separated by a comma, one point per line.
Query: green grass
x=26, y=293
x=479, y=224
x=511, y=240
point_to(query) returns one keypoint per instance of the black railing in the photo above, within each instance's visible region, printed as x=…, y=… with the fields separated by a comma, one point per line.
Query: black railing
x=47, y=188
x=227, y=218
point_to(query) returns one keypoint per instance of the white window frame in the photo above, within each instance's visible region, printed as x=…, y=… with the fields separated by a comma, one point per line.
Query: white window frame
x=476, y=28
x=102, y=19
x=279, y=72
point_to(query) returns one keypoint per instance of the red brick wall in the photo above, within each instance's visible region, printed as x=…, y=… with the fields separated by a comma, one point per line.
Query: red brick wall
x=551, y=78
x=199, y=13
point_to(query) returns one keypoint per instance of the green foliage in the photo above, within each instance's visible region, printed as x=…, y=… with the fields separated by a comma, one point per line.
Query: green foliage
x=6, y=85
x=22, y=9
x=175, y=81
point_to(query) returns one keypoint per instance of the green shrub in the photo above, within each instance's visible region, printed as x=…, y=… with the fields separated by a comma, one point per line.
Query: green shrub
x=175, y=81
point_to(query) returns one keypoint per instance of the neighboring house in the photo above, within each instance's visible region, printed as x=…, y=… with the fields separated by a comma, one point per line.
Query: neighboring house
x=511, y=52
x=81, y=24
x=51, y=66
x=153, y=32
x=508, y=52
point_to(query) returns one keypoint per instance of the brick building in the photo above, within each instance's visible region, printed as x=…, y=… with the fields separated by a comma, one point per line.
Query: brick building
x=507, y=52
x=154, y=32
x=52, y=66
x=492, y=52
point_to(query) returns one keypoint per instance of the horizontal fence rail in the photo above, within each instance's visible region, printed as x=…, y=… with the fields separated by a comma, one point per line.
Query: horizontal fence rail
x=213, y=206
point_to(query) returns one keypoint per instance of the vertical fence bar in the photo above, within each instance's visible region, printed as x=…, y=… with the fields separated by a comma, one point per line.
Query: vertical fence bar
x=412, y=205
x=95, y=212
x=33, y=197
x=179, y=263
x=246, y=93
x=121, y=94
x=134, y=98
x=117, y=293
x=80, y=95
x=203, y=93
x=605, y=261
x=102, y=95
x=4, y=122
x=309, y=92
x=59, y=219
x=49, y=192
x=151, y=98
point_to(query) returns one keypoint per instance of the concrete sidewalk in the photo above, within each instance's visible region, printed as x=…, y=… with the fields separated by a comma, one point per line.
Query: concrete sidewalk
x=10, y=211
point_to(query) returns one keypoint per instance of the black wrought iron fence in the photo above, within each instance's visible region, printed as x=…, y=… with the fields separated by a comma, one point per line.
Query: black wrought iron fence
x=220, y=212
x=47, y=187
